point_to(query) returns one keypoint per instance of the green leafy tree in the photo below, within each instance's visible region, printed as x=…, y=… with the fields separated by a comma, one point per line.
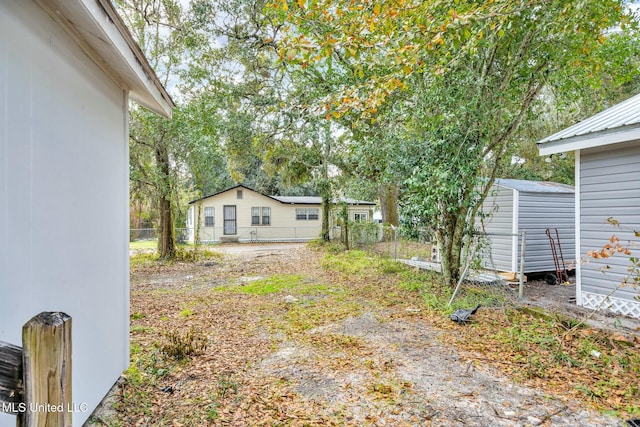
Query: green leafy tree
x=162, y=151
x=473, y=73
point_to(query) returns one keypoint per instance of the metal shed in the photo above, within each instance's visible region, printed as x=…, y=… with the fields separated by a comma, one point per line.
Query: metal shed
x=607, y=152
x=513, y=206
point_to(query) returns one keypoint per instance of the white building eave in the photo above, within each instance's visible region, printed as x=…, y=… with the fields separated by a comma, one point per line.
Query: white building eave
x=618, y=123
x=597, y=139
x=100, y=32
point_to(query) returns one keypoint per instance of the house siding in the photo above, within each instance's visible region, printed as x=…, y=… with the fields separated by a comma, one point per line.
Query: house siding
x=63, y=197
x=609, y=188
x=284, y=226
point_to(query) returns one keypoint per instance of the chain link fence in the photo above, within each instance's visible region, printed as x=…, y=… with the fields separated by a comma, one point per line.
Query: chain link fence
x=151, y=234
x=382, y=239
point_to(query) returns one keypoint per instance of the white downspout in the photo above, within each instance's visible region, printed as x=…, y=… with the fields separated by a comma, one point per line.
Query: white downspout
x=514, y=230
x=578, y=243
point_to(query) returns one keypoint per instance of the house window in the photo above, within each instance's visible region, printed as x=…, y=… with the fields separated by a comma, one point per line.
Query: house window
x=239, y=194
x=260, y=216
x=208, y=217
x=360, y=216
x=307, y=214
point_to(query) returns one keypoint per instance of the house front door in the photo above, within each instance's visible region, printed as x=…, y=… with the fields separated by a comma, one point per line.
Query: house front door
x=230, y=220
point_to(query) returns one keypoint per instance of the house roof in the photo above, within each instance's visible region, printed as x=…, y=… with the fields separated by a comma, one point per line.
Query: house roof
x=618, y=123
x=100, y=32
x=315, y=200
x=291, y=200
x=534, y=186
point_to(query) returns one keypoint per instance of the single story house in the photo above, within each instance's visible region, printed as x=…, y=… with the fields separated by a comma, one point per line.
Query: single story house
x=68, y=69
x=607, y=151
x=244, y=215
x=513, y=206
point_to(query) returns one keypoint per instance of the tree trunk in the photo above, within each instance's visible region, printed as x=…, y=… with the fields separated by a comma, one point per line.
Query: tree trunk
x=388, y=194
x=451, y=241
x=389, y=203
x=326, y=205
x=166, y=239
x=326, y=186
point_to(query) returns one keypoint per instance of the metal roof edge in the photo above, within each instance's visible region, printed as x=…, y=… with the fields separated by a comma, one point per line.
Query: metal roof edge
x=528, y=186
x=352, y=202
x=624, y=115
x=580, y=142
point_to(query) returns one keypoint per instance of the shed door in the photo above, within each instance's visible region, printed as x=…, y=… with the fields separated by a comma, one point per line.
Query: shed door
x=230, y=220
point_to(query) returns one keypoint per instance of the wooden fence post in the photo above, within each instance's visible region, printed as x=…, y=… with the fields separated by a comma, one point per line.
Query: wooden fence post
x=46, y=358
x=11, y=388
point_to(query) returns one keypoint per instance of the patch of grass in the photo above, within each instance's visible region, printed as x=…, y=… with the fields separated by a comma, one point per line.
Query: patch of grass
x=226, y=386
x=143, y=260
x=193, y=254
x=353, y=262
x=436, y=294
x=136, y=397
x=187, y=312
x=212, y=413
x=304, y=317
x=143, y=244
x=361, y=264
x=273, y=284
x=183, y=254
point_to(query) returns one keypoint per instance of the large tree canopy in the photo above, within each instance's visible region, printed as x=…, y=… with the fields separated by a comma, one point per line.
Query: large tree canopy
x=467, y=74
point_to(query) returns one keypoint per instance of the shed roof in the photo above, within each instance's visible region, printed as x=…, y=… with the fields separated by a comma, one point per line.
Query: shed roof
x=534, y=186
x=618, y=123
x=100, y=32
x=292, y=200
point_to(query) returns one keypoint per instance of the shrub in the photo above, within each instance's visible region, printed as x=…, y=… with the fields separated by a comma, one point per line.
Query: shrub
x=181, y=346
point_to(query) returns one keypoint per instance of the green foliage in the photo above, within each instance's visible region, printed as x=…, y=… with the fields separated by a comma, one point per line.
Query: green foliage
x=451, y=98
x=363, y=233
x=354, y=262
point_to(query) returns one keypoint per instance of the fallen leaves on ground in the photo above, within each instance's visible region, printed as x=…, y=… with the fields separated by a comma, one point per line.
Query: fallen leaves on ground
x=343, y=351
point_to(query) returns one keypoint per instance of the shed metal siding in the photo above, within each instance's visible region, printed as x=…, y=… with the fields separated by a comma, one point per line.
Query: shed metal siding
x=539, y=211
x=535, y=211
x=608, y=188
x=499, y=206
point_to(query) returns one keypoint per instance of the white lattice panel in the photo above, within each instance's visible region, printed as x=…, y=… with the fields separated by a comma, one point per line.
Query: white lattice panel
x=617, y=305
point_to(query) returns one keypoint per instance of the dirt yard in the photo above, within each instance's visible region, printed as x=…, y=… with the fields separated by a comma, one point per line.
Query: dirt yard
x=287, y=335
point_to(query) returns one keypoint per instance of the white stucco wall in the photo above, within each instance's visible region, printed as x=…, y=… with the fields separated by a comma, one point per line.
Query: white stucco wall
x=63, y=197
